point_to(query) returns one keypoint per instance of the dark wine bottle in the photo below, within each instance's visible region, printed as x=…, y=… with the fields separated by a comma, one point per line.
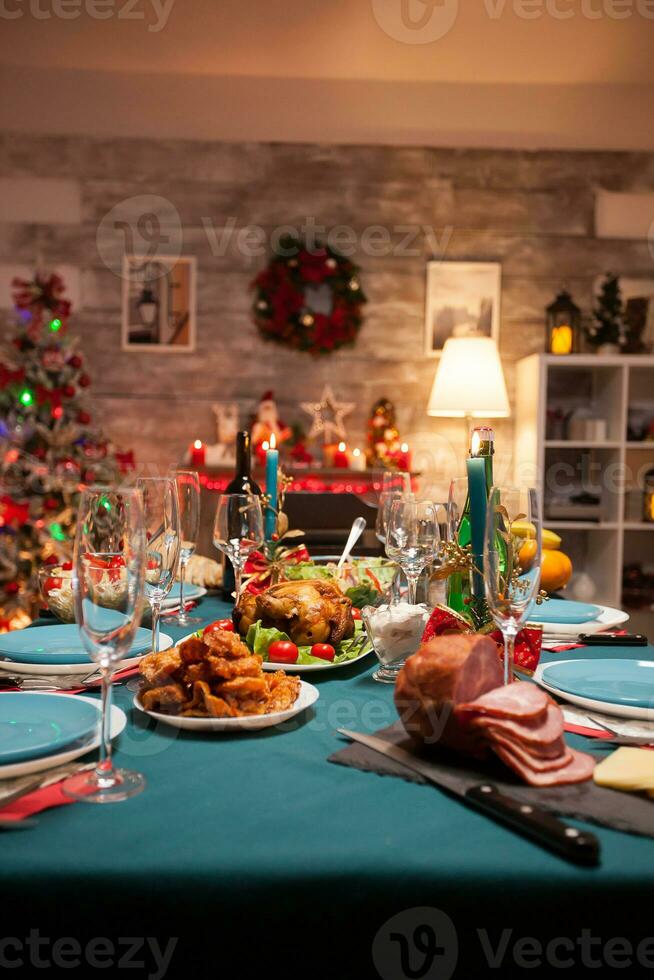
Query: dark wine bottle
x=242, y=483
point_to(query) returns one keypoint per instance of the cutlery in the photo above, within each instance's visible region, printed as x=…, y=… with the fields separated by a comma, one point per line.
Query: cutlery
x=358, y=527
x=22, y=785
x=620, y=739
x=578, y=846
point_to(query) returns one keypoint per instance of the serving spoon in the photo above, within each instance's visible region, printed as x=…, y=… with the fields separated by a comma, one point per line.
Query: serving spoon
x=358, y=527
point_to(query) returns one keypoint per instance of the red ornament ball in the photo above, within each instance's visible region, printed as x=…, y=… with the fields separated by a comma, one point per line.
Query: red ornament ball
x=75, y=361
x=51, y=560
x=83, y=418
x=68, y=391
x=50, y=503
x=11, y=588
x=83, y=381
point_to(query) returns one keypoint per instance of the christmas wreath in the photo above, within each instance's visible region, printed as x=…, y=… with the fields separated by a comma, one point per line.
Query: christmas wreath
x=308, y=300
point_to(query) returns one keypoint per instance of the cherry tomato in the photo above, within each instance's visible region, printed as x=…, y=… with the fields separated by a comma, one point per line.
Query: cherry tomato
x=51, y=583
x=67, y=566
x=283, y=652
x=356, y=613
x=226, y=625
x=323, y=650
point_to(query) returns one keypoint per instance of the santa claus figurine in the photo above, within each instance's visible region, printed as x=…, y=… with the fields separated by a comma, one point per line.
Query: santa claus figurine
x=267, y=424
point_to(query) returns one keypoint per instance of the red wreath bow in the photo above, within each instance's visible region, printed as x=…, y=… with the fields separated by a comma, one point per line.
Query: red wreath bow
x=527, y=643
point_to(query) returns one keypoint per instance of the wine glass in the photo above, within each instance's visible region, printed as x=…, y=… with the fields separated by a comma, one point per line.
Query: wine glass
x=394, y=485
x=107, y=580
x=456, y=503
x=412, y=537
x=188, y=502
x=238, y=530
x=512, y=561
x=161, y=517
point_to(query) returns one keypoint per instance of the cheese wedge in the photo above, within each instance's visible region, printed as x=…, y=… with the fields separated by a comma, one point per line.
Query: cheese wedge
x=631, y=770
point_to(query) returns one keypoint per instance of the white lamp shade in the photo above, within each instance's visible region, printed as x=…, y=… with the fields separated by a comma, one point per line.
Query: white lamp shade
x=469, y=381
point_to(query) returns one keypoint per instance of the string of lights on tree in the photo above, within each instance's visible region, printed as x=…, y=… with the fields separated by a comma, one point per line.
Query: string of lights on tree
x=49, y=447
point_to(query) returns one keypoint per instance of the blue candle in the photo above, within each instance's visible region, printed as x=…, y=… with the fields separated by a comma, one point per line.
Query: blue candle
x=478, y=503
x=272, y=465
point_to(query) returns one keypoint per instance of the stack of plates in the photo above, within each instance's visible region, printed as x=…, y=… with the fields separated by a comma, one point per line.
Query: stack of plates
x=40, y=731
x=615, y=687
x=59, y=650
x=563, y=620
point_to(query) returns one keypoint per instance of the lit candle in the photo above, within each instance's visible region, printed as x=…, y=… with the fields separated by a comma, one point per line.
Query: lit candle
x=404, y=461
x=198, y=453
x=478, y=502
x=341, y=459
x=358, y=462
x=561, y=339
x=272, y=466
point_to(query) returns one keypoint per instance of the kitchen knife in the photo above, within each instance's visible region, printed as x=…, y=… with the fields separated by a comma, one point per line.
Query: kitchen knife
x=578, y=846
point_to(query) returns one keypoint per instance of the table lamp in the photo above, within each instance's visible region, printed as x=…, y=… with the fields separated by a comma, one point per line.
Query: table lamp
x=469, y=382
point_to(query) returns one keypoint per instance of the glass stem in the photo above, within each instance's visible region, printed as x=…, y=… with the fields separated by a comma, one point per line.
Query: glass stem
x=412, y=580
x=509, y=649
x=181, y=617
x=238, y=578
x=105, y=769
x=156, y=615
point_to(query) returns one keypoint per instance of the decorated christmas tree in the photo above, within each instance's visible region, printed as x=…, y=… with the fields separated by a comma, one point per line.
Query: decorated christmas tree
x=49, y=448
x=608, y=316
x=385, y=449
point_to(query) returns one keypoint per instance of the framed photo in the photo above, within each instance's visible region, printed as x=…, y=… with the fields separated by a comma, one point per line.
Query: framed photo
x=638, y=299
x=461, y=297
x=159, y=304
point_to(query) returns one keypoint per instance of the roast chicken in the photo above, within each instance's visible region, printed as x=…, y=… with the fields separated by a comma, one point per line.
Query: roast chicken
x=311, y=611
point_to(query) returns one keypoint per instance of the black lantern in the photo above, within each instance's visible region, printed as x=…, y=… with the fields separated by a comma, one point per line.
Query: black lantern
x=563, y=325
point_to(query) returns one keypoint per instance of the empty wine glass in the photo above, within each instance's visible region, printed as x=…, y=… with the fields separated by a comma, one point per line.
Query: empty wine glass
x=107, y=580
x=512, y=561
x=161, y=517
x=238, y=530
x=412, y=537
x=456, y=503
x=188, y=501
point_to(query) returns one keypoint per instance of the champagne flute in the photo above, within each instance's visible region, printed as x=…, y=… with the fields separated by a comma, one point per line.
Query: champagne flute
x=512, y=561
x=412, y=537
x=188, y=502
x=161, y=516
x=456, y=503
x=108, y=578
x=394, y=485
x=238, y=530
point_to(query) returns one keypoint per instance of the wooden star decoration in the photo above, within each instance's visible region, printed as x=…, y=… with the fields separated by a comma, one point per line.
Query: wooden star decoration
x=327, y=416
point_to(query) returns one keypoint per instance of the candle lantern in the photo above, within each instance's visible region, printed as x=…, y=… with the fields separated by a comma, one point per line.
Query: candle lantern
x=563, y=325
x=648, y=497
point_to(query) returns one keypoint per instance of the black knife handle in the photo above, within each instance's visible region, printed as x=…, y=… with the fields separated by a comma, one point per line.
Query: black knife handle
x=578, y=846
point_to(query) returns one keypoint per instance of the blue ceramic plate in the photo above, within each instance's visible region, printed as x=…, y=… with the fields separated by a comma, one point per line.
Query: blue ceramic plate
x=190, y=592
x=36, y=725
x=59, y=644
x=563, y=611
x=625, y=682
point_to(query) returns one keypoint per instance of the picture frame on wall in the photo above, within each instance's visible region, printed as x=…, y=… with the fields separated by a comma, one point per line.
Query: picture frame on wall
x=461, y=297
x=159, y=304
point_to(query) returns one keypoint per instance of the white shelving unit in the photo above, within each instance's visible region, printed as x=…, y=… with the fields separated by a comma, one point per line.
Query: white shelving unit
x=609, y=385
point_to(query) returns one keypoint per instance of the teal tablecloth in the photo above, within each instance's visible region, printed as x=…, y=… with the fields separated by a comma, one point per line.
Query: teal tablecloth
x=262, y=858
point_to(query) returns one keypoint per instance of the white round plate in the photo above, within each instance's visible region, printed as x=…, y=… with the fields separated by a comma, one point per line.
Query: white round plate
x=308, y=695
x=118, y=722
x=603, y=707
x=608, y=619
x=307, y=668
x=191, y=594
x=11, y=666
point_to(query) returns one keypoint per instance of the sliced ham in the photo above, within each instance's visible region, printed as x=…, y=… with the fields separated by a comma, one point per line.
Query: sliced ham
x=521, y=700
x=577, y=770
x=443, y=672
x=539, y=763
x=541, y=737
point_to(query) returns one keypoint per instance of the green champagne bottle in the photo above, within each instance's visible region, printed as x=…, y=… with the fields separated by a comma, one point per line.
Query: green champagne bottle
x=482, y=443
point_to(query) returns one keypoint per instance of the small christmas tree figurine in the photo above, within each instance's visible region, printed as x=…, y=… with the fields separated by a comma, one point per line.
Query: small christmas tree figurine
x=384, y=447
x=48, y=449
x=608, y=323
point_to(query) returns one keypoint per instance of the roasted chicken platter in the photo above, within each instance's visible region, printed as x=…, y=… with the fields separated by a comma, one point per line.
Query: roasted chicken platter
x=310, y=611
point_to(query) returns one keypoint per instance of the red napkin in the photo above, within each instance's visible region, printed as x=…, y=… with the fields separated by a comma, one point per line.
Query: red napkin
x=31, y=803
